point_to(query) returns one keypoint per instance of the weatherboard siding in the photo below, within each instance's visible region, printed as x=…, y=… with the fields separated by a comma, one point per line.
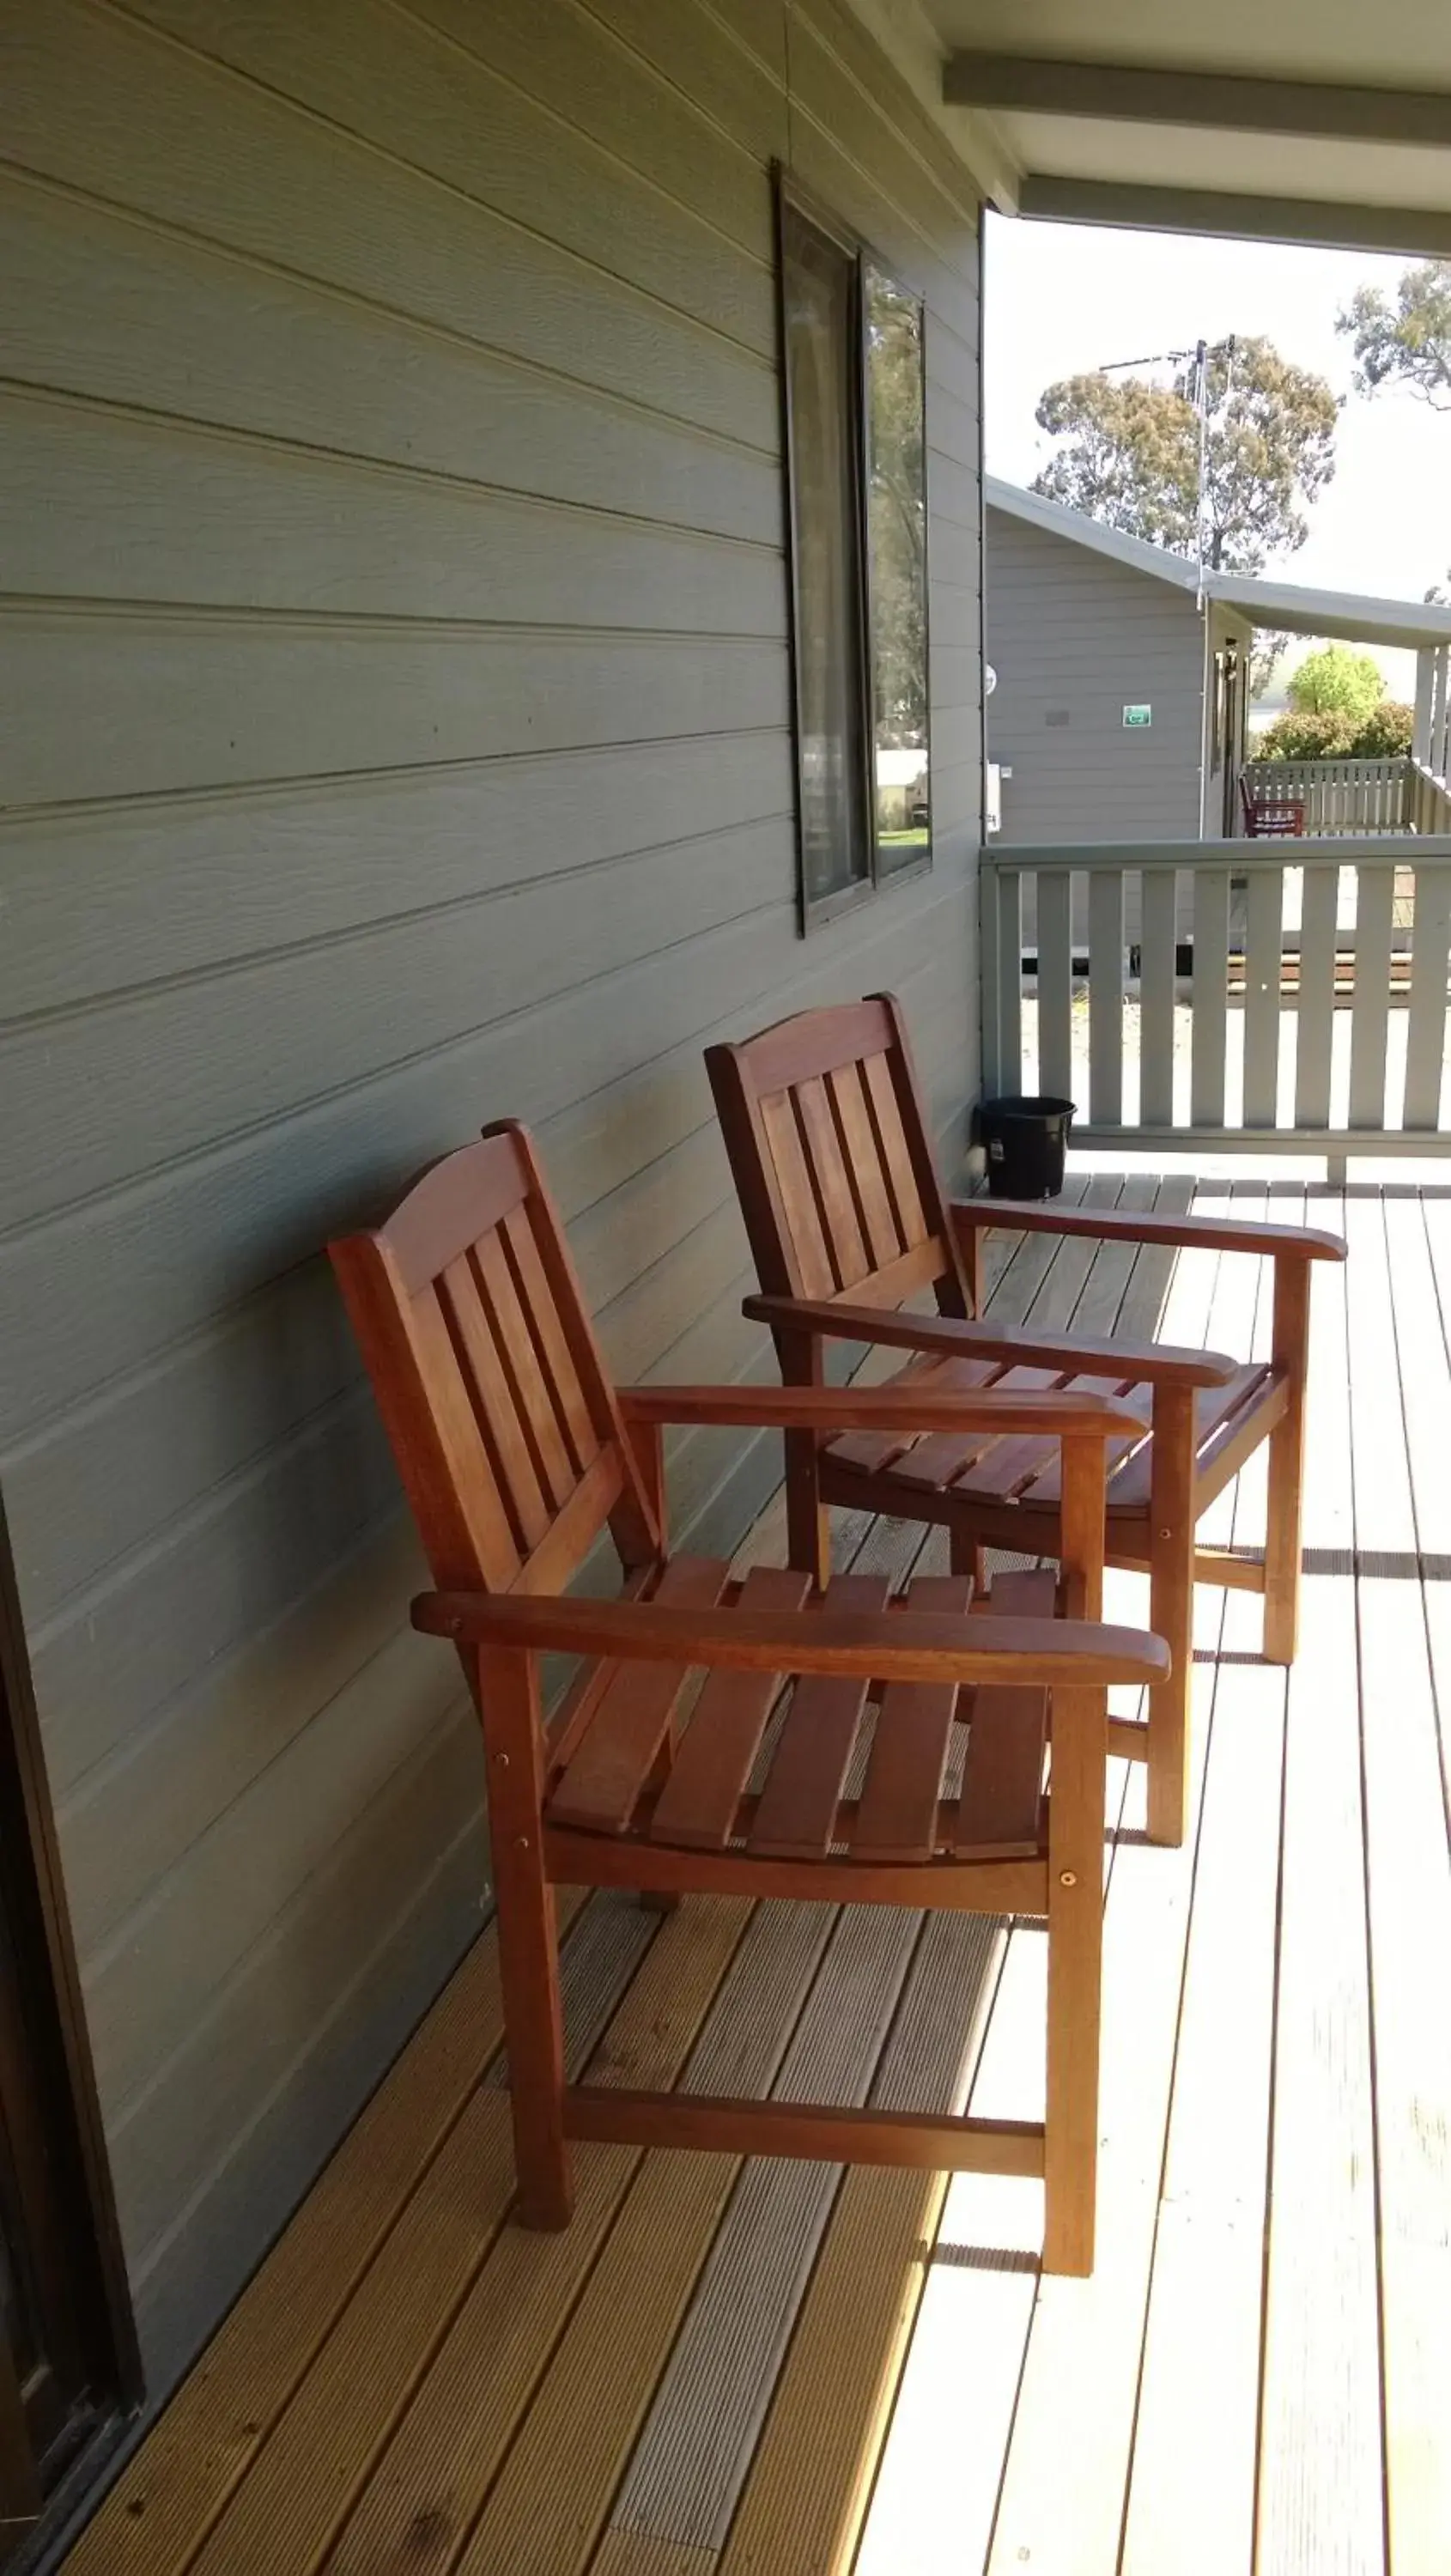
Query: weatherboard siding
x=1073, y=635
x=394, y=645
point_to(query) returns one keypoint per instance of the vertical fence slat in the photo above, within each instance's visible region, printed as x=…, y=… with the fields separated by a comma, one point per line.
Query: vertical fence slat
x=1375, y=896
x=1106, y=997
x=988, y=894
x=1211, y=999
x=1010, y=981
x=1158, y=950
x=1426, y=1018
x=1316, y=1007
x=1055, y=981
x=1262, y=975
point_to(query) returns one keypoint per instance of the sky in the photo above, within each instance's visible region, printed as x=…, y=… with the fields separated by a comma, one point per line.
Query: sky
x=1065, y=298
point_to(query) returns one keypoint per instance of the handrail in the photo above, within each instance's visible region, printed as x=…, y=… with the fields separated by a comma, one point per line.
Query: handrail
x=1231, y=985
x=1231, y=858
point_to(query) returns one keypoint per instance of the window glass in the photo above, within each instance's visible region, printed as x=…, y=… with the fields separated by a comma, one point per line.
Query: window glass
x=897, y=526
x=820, y=290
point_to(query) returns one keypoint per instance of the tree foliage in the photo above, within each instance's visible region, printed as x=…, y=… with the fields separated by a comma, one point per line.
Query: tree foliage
x=1336, y=681
x=1333, y=734
x=897, y=506
x=1129, y=454
x=1405, y=338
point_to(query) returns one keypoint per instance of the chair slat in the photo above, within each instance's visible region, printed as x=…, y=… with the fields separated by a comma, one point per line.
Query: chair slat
x=464, y=1501
x=498, y=1288
x=1375, y=896
x=1262, y=977
x=886, y=1117
x=999, y=1805
x=1315, y=1012
x=1045, y=1486
x=556, y=1358
x=871, y=1450
x=1215, y=1405
x=896, y=1817
x=495, y=1402
x=1211, y=998
x=796, y=1815
x=859, y=1144
x=1106, y=997
x=697, y=1806
x=1158, y=957
x=600, y=1786
x=841, y=1223
x=981, y=1464
x=1426, y=1018
x=1055, y=981
x=804, y=1230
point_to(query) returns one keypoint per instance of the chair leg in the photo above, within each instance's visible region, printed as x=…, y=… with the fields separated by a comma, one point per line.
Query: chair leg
x=528, y=1939
x=1291, y=1340
x=1075, y=1967
x=1171, y=1610
x=967, y=1555
x=808, y=1524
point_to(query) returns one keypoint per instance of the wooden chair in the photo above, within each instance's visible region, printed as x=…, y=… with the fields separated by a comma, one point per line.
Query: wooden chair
x=517, y=1452
x=1271, y=818
x=826, y=1137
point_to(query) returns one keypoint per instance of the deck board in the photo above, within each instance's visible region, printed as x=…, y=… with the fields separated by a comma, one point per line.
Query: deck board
x=740, y=2369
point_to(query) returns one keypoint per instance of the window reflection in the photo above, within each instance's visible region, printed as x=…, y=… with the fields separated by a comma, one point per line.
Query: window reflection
x=897, y=523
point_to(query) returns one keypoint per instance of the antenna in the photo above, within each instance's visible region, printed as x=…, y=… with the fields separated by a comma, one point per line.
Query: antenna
x=1195, y=362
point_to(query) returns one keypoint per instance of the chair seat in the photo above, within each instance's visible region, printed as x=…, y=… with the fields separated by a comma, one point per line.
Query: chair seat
x=787, y=1768
x=1027, y=1472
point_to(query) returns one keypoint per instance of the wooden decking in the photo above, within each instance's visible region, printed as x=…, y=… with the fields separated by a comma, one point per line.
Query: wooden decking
x=775, y=2370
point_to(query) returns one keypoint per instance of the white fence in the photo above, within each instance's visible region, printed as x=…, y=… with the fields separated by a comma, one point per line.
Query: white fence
x=1305, y=1003
x=1339, y=796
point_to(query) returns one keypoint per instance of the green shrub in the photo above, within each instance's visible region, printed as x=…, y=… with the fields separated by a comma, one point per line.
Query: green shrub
x=1383, y=733
x=1310, y=736
x=1386, y=732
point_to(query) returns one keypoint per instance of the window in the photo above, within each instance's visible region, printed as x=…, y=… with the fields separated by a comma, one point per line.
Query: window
x=856, y=453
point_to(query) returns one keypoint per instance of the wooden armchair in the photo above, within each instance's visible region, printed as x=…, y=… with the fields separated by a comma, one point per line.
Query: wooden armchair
x=846, y=1219
x=517, y=1452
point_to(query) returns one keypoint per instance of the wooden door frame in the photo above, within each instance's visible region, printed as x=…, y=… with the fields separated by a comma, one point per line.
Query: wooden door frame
x=65, y=2086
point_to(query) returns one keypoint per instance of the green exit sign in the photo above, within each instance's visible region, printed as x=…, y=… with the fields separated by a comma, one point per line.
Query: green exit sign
x=1137, y=717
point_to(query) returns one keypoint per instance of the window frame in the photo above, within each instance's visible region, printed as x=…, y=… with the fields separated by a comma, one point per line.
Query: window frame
x=793, y=198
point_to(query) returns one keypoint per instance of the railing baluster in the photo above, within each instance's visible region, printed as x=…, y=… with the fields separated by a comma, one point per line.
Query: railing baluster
x=1106, y=997
x=1055, y=981
x=1263, y=969
x=1375, y=898
x=1211, y=999
x=1158, y=957
x=989, y=887
x=1010, y=982
x=1426, y=1018
x=1316, y=1008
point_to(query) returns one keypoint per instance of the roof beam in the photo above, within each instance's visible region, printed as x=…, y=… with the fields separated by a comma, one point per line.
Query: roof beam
x=1421, y=232
x=1230, y=102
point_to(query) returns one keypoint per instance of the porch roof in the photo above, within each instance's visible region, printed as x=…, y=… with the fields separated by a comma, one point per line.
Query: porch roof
x=1295, y=606
x=1297, y=123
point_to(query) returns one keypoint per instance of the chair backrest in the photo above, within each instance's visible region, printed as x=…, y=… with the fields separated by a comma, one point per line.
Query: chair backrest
x=1249, y=811
x=496, y=1400
x=833, y=1165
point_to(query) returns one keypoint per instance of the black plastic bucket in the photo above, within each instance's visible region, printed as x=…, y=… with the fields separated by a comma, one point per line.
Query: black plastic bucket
x=1026, y=1141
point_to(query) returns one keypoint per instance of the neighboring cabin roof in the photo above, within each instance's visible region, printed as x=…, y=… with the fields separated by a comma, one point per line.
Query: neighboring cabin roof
x=1293, y=606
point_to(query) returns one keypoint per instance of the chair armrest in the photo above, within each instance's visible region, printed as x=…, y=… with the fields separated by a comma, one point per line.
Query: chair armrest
x=948, y=1337
x=895, y=1645
x=882, y=1408
x=1116, y=1225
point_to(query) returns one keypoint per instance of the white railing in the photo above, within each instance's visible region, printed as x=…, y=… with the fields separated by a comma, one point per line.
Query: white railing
x=1428, y=800
x=1340, y=797
x=1279, y=995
